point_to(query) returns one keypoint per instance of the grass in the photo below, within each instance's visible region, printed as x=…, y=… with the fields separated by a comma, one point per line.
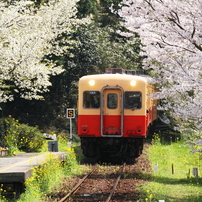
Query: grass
x=172, y=179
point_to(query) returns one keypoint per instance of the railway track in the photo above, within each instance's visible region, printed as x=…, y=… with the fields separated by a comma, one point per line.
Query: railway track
x=100, y=182
x=111, y=182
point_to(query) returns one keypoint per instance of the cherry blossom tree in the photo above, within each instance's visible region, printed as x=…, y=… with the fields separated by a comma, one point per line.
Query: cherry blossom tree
x=27, y=35
x=171, y=32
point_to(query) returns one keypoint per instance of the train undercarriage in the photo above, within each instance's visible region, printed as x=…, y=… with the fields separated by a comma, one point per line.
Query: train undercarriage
x=125, y=148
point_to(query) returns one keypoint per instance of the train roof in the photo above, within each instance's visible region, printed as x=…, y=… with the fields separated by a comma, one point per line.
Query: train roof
x=121, y=74
x=117, y=76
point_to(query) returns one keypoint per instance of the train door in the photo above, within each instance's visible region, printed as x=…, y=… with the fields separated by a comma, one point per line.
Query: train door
x=112, y=112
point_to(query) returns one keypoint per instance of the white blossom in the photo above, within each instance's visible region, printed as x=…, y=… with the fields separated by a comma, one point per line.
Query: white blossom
x=171, y=32
x=26, y=36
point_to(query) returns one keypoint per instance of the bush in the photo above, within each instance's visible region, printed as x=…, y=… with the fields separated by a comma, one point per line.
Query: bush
x=16, y=136
x=8, y=134
x=30, y=139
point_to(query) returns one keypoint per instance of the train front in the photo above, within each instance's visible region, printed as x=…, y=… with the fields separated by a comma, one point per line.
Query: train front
x=112, y=116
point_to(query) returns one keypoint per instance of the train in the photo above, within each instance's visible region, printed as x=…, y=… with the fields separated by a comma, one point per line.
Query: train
x=116, y=113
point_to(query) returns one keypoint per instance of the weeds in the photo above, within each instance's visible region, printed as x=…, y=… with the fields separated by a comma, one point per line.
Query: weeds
x=43, y=177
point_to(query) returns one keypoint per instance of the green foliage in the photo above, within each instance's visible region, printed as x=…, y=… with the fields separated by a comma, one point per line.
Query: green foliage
x=100, y=10
x=16, y=136
x=106, y=17
x=86, y=51
x=2, y=133
x=29, y=138
x=8, y=134
x=117, y=51
x=71, y=163
x=87, y=7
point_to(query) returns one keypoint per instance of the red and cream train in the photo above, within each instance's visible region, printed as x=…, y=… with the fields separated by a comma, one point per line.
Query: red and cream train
x=115, y=113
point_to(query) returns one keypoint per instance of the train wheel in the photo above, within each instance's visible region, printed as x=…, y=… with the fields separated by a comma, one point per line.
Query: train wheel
x=88, y=147
x=98, y=151
x=141, y=144
x=138, y=147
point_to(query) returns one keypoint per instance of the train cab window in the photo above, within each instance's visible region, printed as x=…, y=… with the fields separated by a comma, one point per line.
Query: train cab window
x=91, y=99
x=112, y=100
x=133, y=100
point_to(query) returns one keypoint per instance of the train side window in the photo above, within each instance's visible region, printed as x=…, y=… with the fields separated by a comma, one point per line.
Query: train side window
x=133, y=100
x=91, y=99
x=112, y=100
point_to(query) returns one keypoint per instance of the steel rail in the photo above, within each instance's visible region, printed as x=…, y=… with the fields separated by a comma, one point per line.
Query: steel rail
x=75, y=188
x=116, y=183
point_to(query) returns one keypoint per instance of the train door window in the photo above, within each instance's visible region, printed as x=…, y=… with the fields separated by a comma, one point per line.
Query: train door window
x=112, y=100
x=133, y=100
x=91, y=99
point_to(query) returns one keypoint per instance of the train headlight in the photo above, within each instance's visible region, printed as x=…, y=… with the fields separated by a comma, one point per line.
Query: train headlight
x=133, y=83
x=91, y=82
